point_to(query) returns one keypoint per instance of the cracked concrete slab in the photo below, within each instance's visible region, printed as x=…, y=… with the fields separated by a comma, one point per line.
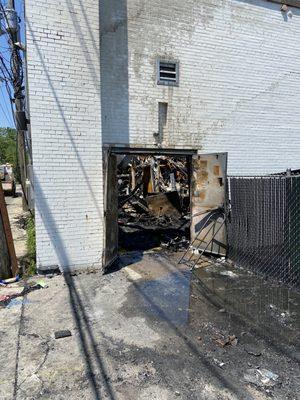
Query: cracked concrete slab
x=149, y=330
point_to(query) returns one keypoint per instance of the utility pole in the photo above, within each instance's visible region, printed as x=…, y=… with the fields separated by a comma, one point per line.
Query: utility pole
x=8, y=260
x=13, y=30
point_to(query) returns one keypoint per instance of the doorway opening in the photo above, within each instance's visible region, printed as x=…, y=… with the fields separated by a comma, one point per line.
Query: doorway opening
x=162, y=200
x=153, y=201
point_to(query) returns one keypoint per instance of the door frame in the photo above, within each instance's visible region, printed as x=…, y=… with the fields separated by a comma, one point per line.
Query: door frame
x=109, y=150
x=151, y=150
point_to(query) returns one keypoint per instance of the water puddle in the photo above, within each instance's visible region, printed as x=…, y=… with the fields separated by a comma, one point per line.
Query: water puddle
x=160, y=289
x=167, y=297
x=165, y=291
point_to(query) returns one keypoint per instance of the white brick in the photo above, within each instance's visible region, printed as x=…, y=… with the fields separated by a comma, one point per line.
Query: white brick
x=239, y=92
x=66, y=134
x=239, y=80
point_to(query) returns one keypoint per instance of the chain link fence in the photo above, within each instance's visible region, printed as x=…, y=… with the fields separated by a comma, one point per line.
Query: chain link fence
x=264, y=226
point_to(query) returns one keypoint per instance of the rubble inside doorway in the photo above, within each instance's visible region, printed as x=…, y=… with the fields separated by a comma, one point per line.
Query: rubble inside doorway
x=154, y=202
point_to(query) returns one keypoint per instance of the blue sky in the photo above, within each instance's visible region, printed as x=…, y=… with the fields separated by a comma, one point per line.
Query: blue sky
x=6, y=118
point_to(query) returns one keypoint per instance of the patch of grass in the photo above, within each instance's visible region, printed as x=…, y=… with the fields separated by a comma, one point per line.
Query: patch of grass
x=31, y=246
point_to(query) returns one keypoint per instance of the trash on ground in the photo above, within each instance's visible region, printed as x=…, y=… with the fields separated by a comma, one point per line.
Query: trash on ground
x=261, y=377
x=9, y=280
x=229, y=341
x=4, y=297
x=229, y=273
x=219, y=363
x=62, y=334
x=282, y=317
x=9, y=293
x=31, y=288
x=177, y=244
x=41, y=283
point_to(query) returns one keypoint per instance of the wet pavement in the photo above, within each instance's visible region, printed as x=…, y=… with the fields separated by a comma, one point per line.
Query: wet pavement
x=152, y=329
x=237, y=293
x=207, y=306
x=271, y=309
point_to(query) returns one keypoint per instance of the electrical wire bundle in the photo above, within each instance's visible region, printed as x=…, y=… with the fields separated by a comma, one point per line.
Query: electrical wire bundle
x=11, y=70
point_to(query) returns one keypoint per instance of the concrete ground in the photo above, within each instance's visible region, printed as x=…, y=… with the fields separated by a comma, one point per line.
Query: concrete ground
x=151, y=330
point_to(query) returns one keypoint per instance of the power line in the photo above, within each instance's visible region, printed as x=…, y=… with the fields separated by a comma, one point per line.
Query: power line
x=8, y=112
x=4, y=113
x=6, y=107
x=5, y=68
x=16, y=62
x=15, y=78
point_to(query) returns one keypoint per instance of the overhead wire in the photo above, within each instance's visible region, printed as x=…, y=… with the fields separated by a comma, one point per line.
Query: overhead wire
x=5, y=115
x=11, y=122
x=6, y=81
x=15, y=60
x=4, y=66
x=13, y=78
x=9, y=77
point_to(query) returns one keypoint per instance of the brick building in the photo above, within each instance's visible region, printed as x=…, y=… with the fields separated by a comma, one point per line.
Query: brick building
x=211, y=75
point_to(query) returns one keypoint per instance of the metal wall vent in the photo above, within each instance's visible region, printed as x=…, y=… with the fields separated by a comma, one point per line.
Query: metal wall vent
x=167, y=73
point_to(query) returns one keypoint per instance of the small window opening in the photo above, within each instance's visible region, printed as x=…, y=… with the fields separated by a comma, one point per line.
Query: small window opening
x=167, y=73
x=162, y=121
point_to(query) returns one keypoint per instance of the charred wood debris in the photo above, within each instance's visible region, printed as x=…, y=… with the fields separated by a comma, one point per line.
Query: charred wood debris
x=154, y=202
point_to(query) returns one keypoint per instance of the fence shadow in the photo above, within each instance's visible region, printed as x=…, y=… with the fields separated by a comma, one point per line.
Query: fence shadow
x=240, y=314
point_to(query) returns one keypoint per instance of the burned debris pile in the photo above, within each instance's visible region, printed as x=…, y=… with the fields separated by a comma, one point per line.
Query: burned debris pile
x=154, y=202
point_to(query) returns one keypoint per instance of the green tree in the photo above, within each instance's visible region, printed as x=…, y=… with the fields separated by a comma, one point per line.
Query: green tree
x=8, y=149
x=8, y=146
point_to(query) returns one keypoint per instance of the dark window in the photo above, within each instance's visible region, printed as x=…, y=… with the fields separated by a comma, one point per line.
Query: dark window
x=162, y=120
x=167, y=73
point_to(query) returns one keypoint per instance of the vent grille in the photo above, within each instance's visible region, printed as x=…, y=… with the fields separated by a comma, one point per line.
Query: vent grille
x=167, y=73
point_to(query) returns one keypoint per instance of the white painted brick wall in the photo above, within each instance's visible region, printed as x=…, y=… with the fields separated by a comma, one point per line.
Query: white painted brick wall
x=239, y=92
x=239, y=79
x=64, y=92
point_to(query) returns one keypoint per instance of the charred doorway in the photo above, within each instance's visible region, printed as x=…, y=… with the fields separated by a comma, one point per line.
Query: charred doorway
x=163, y=200
x=149, y=193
